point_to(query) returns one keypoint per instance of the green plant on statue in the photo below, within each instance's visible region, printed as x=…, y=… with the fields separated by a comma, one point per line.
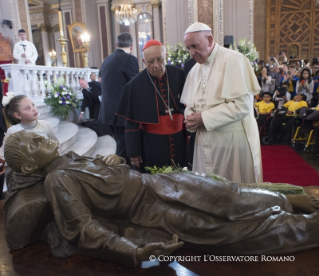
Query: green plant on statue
x=61, y=99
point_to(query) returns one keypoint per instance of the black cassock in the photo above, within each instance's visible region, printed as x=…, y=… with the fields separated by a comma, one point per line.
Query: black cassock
x=149, y=130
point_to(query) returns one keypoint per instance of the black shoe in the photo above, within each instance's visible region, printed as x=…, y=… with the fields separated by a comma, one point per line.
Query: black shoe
x=2, y=197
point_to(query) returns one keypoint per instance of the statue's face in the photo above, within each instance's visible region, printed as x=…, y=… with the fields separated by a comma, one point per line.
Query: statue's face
x=42, y=151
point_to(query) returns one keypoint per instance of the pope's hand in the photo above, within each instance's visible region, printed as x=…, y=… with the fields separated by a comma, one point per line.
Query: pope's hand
x=111, y=160
x=23, y=55
x=194, y=121
x=27, y=61
x=157, y=249
x=136, y=160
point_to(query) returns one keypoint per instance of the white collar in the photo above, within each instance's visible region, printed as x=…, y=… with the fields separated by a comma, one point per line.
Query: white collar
x=212, y=55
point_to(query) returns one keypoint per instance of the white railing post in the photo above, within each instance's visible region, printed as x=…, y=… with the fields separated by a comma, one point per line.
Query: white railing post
x=67, y=79
x=77, y=85
x=15, y=77
x=23, y=78
x=42, y=86
x=35, y=83
x=55, y=73
x=49, y=83
x=26, y=88
x=73, y=84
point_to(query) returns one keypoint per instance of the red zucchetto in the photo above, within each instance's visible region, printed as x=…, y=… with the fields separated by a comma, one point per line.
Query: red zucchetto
x=151, y=42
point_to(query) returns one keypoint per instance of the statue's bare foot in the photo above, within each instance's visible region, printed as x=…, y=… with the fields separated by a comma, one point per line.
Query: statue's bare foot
x=304, y=203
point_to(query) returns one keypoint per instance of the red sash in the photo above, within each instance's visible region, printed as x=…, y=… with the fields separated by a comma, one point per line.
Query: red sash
x=166, y=126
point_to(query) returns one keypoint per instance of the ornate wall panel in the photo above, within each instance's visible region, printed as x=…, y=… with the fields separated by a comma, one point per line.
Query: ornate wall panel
x=14, y=21
x=78, y=11
x=260, y=27
x=292, y=26
x=192, y=12
x=205, y=12
x=23, y=18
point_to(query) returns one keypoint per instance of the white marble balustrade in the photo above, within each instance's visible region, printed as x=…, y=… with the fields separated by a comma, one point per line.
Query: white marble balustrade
x=34, y=80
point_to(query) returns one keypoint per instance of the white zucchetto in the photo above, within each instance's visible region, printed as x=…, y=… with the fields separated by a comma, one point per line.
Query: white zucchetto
x=197, y=27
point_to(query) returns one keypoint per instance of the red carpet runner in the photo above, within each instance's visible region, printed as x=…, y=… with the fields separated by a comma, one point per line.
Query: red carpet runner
x=281, y=164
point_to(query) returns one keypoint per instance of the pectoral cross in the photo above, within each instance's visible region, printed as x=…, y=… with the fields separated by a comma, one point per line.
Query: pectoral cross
x=169, y=111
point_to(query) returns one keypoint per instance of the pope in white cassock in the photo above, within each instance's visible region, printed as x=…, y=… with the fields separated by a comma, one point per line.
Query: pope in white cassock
x=218, y=95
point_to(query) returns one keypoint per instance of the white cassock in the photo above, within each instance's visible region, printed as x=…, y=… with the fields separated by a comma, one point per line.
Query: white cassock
x=222, y=90
x=31, y=54
x=29, y=50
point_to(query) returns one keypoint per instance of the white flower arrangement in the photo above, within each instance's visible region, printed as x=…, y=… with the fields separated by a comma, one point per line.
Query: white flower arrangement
x=248, y=51
x=61, y=99
x=177, y=55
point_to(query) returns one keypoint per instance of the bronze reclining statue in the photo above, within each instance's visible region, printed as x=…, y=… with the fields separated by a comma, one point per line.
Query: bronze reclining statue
x=101, y=208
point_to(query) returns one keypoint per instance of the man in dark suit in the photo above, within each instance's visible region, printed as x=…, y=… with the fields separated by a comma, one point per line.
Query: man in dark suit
x=3, y=129
x=116, y=71
x=93, y=76
x=91, y=93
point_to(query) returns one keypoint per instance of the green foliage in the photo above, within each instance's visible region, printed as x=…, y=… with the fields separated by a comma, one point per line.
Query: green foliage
x=177, y=55
x=155, y=170
x=283, y=188
x=61, y=99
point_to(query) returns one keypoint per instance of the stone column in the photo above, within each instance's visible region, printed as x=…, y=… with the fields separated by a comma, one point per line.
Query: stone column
x=135, y=37
x=115, y=23
x=45, y=44
x=24, y=17
x=156, y=20
x=56, y=36
x=218, y=21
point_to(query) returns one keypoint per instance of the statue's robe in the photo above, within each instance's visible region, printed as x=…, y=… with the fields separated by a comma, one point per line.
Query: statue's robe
x=108, y=212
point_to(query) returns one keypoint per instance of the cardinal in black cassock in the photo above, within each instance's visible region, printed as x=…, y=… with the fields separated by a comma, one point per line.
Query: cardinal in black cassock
x=154, y=131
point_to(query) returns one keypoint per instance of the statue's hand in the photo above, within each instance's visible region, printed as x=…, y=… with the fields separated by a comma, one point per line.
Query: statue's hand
x=111, y=160
x=157, y=249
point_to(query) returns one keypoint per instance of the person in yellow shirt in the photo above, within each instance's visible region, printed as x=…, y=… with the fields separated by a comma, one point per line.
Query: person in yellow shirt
x=314, y=118
x=264, y=108
x=292, y=106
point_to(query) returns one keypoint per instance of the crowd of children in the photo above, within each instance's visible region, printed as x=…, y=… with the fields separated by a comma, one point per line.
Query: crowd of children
x=285, y=88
